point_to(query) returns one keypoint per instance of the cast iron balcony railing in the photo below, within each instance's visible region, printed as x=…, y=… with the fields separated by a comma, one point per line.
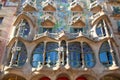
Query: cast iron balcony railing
x=113, y=2
x=77, y=21
x=76, y=6
x=48, y=21
x=95, y=7
x=49, y=5
x=29, y=5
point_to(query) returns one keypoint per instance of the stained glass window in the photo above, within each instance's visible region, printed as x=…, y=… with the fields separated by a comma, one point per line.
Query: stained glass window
x=37, y=58
x=19, y=54
x=88, y=55
x=105, y=55
x=74, y=54
x=51, y=54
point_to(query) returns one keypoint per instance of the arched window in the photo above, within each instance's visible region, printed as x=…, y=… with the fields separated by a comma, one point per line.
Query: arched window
x=62, y=78
x=100, y=31
x=88, y=55
x=75, y=54
x=51, y=54
x=81, y=78
x=18, y=54
x=37, y=57
x=23, y=29
x=105, y=55
x=44, y=78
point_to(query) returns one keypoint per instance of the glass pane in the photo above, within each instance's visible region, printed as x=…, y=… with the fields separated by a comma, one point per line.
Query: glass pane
x=103, y=57
x=89, y=60
x=98, y=31
x=19, y=55
x=37, y=58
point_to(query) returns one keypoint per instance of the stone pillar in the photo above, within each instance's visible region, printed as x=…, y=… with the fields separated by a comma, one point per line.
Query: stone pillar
x=114, y=66
x=82, y=55
x=13, y=53
x=67, y=57
x=44, y=53
x=59, y=54
x=106, y=30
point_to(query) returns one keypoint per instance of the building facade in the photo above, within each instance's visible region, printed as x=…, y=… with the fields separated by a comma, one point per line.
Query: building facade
x=61, y=40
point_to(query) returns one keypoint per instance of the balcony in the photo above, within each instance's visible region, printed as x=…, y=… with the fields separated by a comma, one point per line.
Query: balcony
x=113, y=2
x=99, y=16
x=77, y=21
x=49, y=5
x=116, y=13
x=48, y=21
x=76, y=7
x=29, y=6
x=95, y=7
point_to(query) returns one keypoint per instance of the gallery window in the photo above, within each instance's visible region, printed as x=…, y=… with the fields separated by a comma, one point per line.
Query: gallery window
x=88, y=56
x=37, y=56
x=105, y=55
x=75, y=59
x=51, y=57
x=18, y=54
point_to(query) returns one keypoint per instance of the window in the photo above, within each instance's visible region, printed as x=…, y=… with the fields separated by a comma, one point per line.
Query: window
x=116, y=10
x=37, y=57
x=0, y=5
x=18, y=54
x=51, y=54
x=75, y=30
x=75, y=54
x=88, y=56
x=1, y=19
x=118, y=23
x=105, y=55
x=100, y=31
x=24, y=29
x=47, y=29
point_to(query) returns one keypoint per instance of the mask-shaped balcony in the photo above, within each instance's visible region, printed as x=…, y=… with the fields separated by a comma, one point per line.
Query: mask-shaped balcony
x=75, y=6
x=49, y=5
x=98, y=16
x=95, y=7
x=116, y=13
x=29, y=6
x=77, y=21
x=113, y=2
x=48, y=21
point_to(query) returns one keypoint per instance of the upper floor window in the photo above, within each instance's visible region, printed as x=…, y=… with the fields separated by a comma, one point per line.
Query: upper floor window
x=118, y=24
x=100, y=31
x=105, y=55
x=116, y=10
x=75, y=30
x=0, y=5
x=23, y=29
x=1, y=19
x=47, y=29
x=18, y=54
